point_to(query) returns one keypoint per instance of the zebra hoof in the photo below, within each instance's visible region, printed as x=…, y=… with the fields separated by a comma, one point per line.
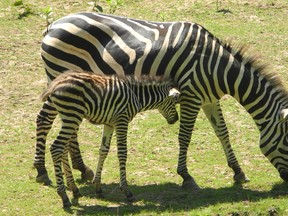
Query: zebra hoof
x=129, y=195
x=284, y=175
x=77, y=194
x=44, y=179
x=190, y=185
x=99, y=193
x=88, y=175
x=67, y=204
x=65, y=200
x=241, y=178
x=131, y=198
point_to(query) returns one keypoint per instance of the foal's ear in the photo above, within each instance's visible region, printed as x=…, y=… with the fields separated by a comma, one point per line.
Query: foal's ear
x=175, y=94
x=284, y=114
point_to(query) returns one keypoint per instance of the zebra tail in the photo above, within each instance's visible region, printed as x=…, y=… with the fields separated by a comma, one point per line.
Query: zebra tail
x=44, y=96
x=45, y=32
x=49, y=90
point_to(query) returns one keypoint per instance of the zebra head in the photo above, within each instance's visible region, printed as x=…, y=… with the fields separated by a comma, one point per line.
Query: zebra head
x=168, y=106
x=274, y=143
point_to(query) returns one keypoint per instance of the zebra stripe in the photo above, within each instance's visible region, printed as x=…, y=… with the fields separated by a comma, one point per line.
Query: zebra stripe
x=203, y=67
x=112, y=101
x=170, y=53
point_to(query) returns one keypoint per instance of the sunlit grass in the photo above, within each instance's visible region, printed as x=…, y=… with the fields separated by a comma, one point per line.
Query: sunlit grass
x=152, y=143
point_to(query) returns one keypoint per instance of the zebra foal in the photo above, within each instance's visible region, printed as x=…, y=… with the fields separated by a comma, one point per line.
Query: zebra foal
x=108, y=100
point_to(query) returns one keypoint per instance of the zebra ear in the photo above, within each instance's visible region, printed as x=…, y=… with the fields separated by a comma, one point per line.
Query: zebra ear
x=284, y=114
x=175, y=94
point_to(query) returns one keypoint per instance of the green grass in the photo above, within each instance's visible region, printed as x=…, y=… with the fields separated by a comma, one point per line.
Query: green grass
x=153, y=147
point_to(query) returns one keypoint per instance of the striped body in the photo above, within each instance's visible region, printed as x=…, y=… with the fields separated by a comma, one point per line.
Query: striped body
x=111, y=101
x=203, y=67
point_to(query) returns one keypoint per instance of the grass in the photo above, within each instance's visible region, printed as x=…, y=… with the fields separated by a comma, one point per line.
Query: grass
x=153, y=147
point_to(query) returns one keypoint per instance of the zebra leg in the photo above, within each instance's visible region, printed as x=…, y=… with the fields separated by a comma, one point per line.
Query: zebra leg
x=188, y=116
x=57, y=150
x=77, y=161
x=44, y=123
x=103, y=151
x=214, y=114
x=69, y=176
x=121, y=134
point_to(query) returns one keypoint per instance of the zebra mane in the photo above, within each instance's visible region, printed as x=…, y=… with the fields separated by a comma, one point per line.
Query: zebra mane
x=133, y=79
x=129, y=79
x=148, y=80
x=254, y=61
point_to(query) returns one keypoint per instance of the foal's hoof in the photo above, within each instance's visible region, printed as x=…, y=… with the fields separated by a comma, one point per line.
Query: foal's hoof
x=131, y=198
x=190, y=185
x=65, y=200
x=129, y=195
x=77, y=194
x=44, y=179
x=67, y=204
x=99, y=194
x=87, y=175
x=241, y=178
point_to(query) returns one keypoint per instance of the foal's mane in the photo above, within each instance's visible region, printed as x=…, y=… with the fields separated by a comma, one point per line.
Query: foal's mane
x=88, y=76
x=148, y=80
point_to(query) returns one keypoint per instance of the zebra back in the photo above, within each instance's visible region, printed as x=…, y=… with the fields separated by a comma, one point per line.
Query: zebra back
x=134, y=93
x=68, y=77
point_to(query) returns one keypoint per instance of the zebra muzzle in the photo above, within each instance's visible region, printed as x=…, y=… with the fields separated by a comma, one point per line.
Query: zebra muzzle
x=174, y=120
x=284, y=175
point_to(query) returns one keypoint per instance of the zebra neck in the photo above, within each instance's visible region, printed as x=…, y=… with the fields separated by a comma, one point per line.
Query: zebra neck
x=245, y=79
x=266, y=107
x=259, y=95
x=148, y=96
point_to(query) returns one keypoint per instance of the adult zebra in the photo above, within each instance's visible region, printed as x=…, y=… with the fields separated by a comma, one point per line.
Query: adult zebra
x=109, y=100
x=204, y=68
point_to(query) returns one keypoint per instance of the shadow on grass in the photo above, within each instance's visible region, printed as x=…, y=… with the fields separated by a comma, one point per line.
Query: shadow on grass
x=170, y=197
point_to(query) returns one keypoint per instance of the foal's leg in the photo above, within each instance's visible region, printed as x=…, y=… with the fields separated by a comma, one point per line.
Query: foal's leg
x=44, y=123
x=61, y=144
x=77, y=161
x=215, y=116
x=103, y=151
x=69, y=176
